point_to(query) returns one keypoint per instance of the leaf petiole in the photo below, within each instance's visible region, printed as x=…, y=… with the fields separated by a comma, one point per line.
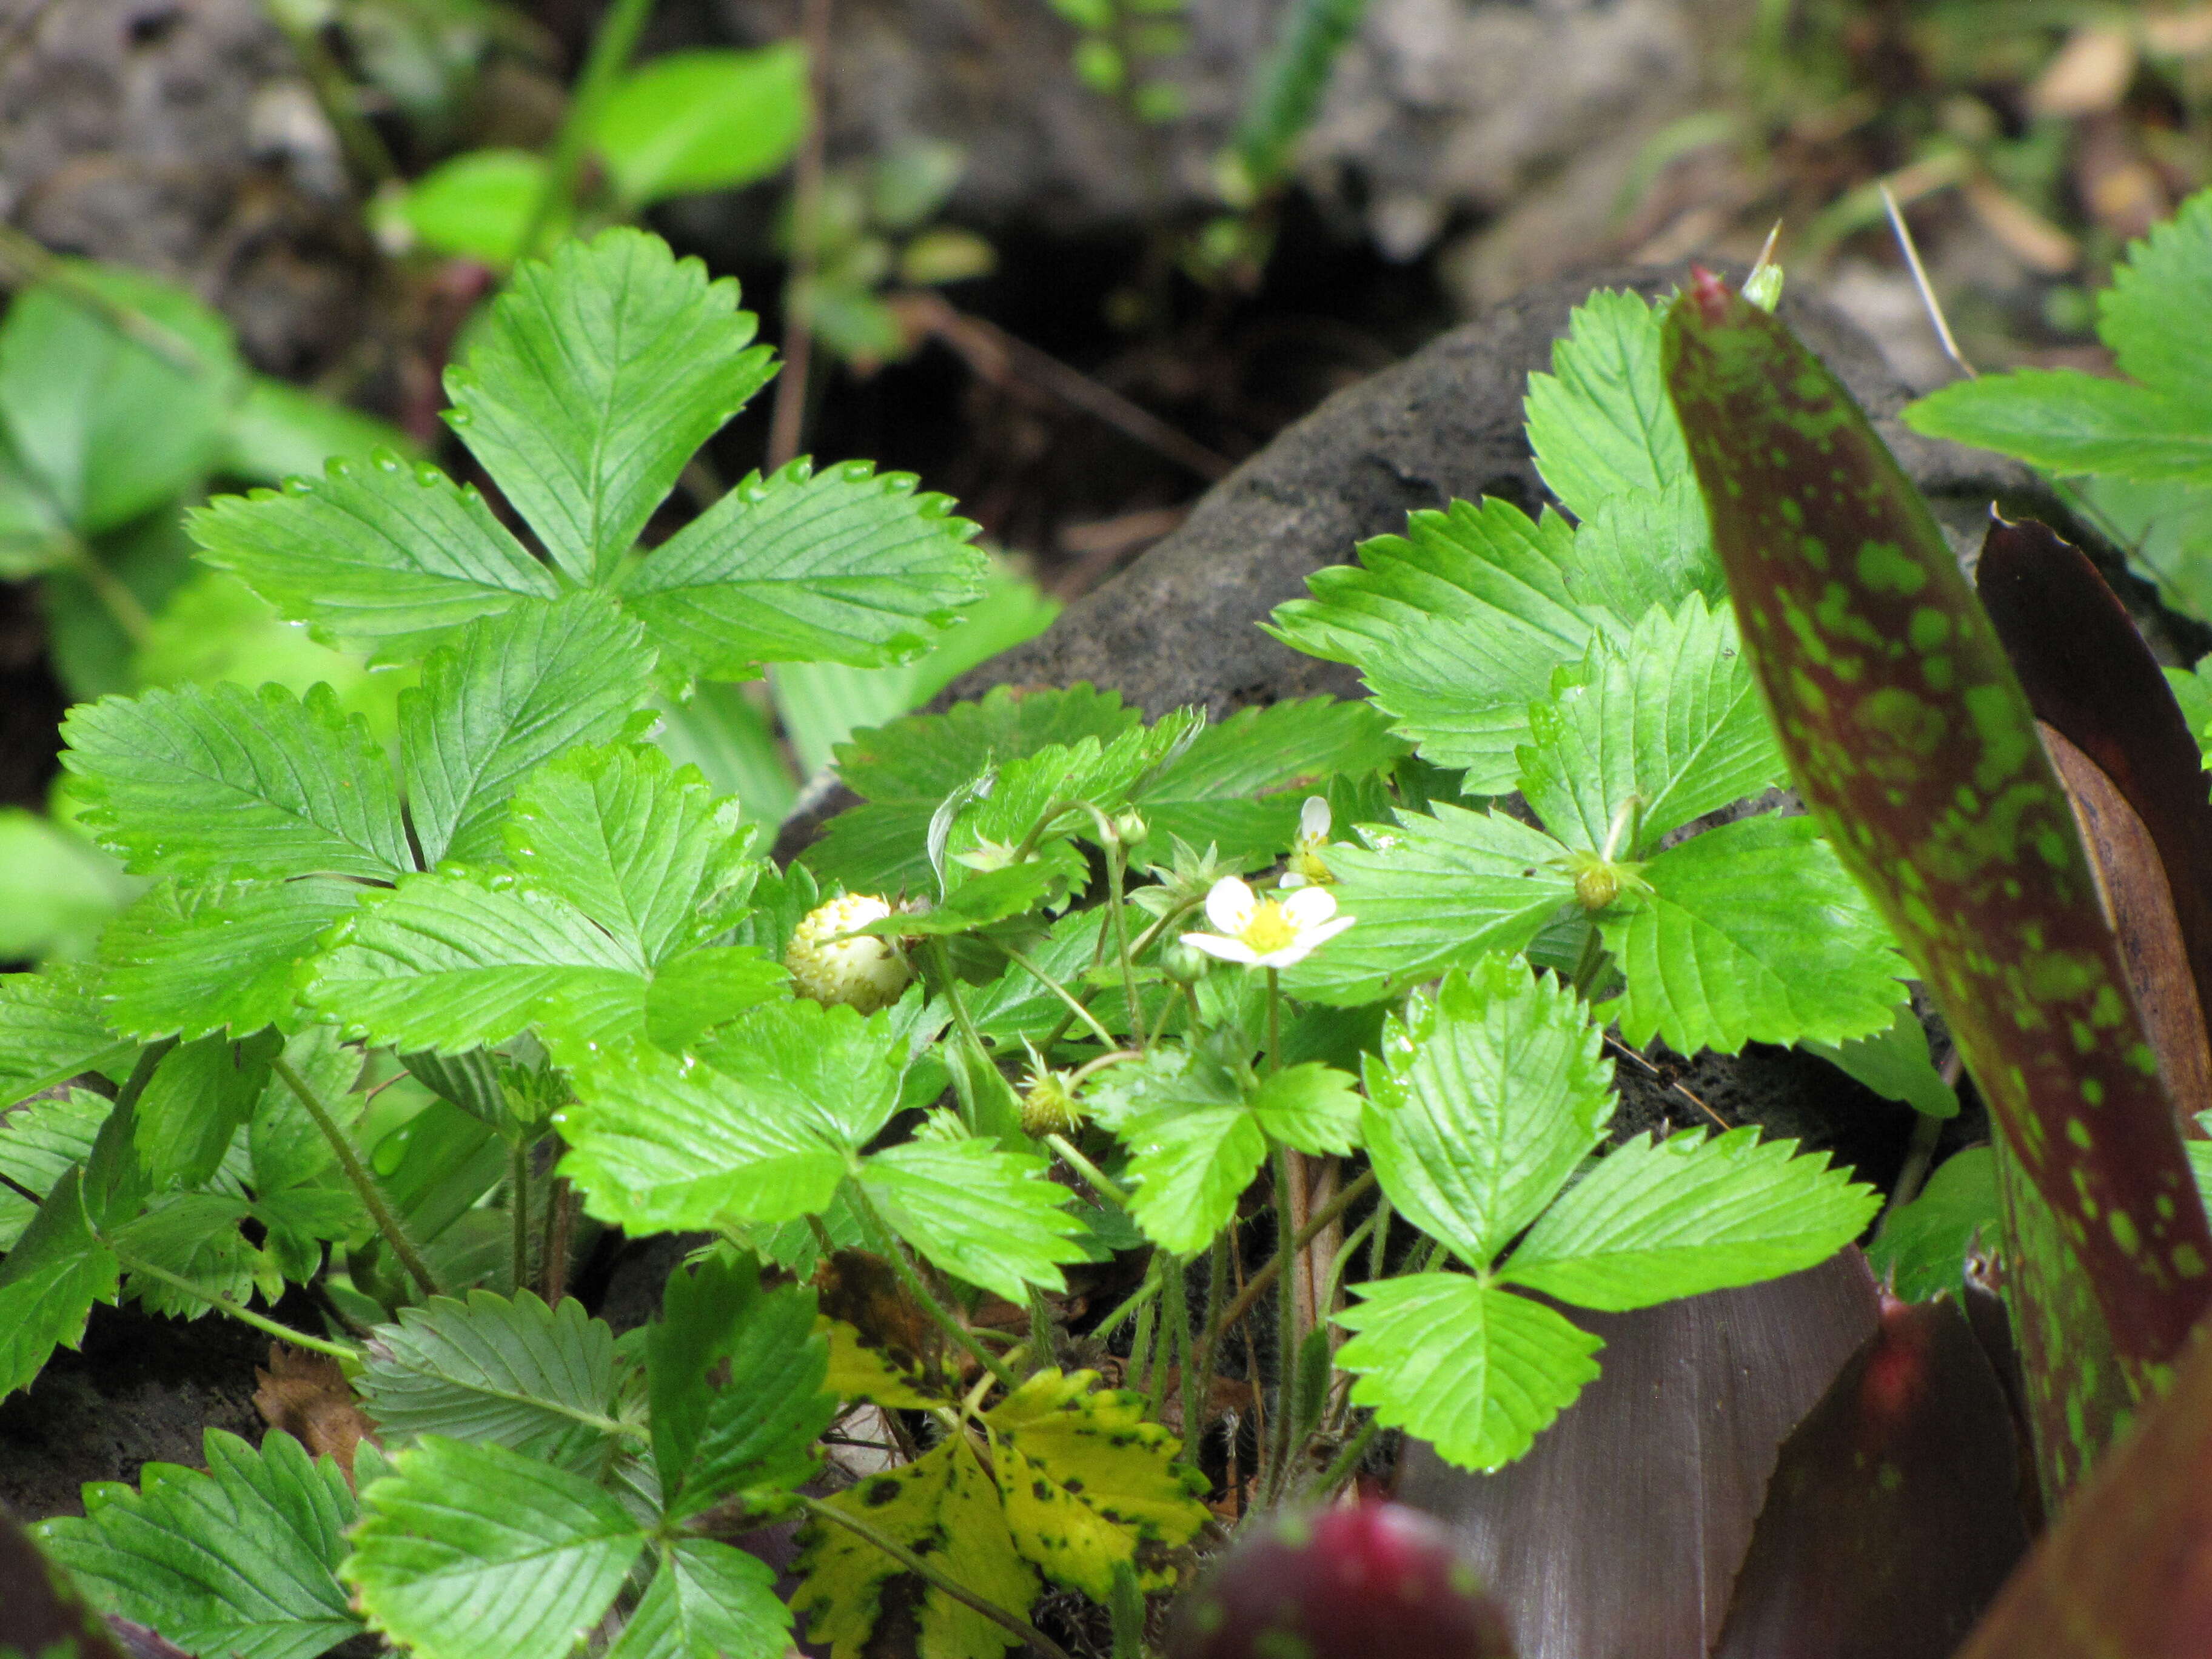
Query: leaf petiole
x=371, y=1195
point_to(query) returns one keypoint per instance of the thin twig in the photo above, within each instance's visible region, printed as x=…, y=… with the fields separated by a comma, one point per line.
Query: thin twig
x=1903, y=235
x=1021, y=1627
x=999, y=358
x=24, y=260
x=560, y=1223
x=372, y=1195
x=787, y=424
x=1256, y=1286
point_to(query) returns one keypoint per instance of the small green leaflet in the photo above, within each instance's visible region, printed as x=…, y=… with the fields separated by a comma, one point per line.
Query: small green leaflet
x=1670, y=716
x=1894, y=1063
x=476, y=1551
x=51, y=1277
x=37, y=1144
x=1484, y=1098
x=592, y=381
x=193, y=959
x=1601, y=422
x=703, y=120
x=218, y=780
x=1752, y=933
x=239, y=1560
x=50, y=1031
x=193, y=1104
x=507, y=1371
x=737, y=1376
x=1653, y=1222
x=1432, y=893
x=509, y=692
x=706, y=1601
x=1923, y=1246
x=1477, y=1371
x=1455, y=626
x=385, y=552
x=842, y=565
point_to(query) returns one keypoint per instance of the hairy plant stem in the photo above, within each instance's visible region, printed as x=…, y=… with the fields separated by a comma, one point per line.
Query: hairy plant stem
x=1198, y=1407
x=518, y=1206
x=887, y=1245
x=1274, y=1021
x=1020, y=1627
x=1075, y=1010
x=1185, y=1341
x=1918, y=1155
x=1100, y=1182
x=1256, y=1286
x=223, y=1304
x=612, y=44
x=1287, y=1334
x=1121, y=1315
x=365, y=1184
x=553, y=1260
x=1140, y=1345
x=1116, y=857
x=1347, y=1462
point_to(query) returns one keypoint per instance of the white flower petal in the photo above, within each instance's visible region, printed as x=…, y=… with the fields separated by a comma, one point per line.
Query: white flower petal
x=1227, y=950
x=1229, y=905
x=1313, y=818
x=1291, y=881
x=1296, y=950
x=1327, y=930
x=1309, y=907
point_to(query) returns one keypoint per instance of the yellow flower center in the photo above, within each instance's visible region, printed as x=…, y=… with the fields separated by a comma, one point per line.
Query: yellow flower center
x=1269, y=929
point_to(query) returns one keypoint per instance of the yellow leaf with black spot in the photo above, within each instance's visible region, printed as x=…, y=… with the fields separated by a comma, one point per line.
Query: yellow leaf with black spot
x=857, y=1371
x=945, y=1509
x=1089, y=1483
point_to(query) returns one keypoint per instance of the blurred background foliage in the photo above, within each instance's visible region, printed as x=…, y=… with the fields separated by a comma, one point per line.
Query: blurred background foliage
x=1069, y=259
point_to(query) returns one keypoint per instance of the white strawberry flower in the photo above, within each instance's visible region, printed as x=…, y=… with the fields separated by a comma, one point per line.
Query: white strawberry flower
x=1267, y=932
x=1307, y=867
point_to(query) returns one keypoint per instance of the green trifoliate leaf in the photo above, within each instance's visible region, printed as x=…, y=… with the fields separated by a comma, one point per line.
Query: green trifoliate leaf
x=505, y=1371
x=53, y=1275
x=982, y=1214
x=905, y=771
x=591, y=382
x=1429, y=893
x=218, y=780
x=660, y=1145
x=1087, y=1481
x=198, y=958
x=479, y=1552
x=385, y=551
x=1894, y=1063
x=1188, y=1165
x=194, y=1236
x=706, y=1601
x=1922, y=1250
x=239, y=1560
x=110, y=427
x=1455, y=626
x=846, y=565
x=1477, y=1371
x=1483, y=1101
x=509, y=692
x=37, y=1143
x=737, y=1374
x=943, y=1506
x=195, y=1101
x=1639, y=549
x=1601, y=422
x=1240, y=784
x=52, y=1029
x=1653, y=1221
x=1312, y=1107
x=1751, y=932
x=642, y=848
x=1670, y=716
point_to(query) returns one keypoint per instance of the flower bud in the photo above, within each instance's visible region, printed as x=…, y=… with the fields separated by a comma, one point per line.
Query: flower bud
x=1130, y=828
x=1047, y=1109
x=862, y=972
x=1183, y=964
x=1597, y=886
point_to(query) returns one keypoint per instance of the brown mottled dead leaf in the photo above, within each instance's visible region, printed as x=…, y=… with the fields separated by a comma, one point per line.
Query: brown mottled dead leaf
x=308, y=1397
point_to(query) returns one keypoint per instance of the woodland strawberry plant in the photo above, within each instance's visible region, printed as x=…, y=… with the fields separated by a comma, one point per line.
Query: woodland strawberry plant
x=1255, y=1067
